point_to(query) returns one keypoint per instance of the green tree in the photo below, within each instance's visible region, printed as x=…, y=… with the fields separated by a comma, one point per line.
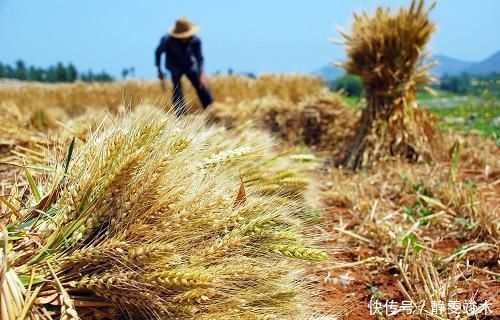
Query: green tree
x=10, y=72
x=103, y=77
x=458, y=84
x=51, y=74
x=61, y=72
x=21, y=70
x=71, y=73
x=351, y=85
x=41, y=74
x=54, y=73
x=87, y=77
x=125, y=73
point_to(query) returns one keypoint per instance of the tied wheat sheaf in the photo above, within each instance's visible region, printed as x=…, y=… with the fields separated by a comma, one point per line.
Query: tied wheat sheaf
x=159, y=217
x=387, y=51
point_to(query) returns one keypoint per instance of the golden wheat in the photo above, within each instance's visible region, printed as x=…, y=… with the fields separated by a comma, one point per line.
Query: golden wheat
x=149, y=220
x=386, y=50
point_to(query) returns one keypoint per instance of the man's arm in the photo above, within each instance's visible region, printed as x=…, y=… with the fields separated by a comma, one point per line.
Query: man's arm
x=158, y=52
x=199, y=57
x=198, y=54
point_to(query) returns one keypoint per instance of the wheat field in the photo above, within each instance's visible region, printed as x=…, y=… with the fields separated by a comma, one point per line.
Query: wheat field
x=89, y=192
x=280, y=201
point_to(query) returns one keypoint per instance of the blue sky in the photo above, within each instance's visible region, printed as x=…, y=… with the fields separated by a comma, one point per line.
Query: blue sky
x=256, y=36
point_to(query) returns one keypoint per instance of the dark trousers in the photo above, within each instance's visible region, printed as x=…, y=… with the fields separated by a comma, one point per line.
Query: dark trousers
x=177, y=96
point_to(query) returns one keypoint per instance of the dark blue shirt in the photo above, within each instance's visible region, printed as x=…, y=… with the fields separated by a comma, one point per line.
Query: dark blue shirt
x=180, y=56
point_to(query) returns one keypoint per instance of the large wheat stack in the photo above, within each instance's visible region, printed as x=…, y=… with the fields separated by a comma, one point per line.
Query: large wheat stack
x=159, y=217
x=386, y=50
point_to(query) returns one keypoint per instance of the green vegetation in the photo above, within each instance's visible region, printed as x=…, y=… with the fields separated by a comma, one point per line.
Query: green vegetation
x=473, y=115
x=467, y=84
x=356, y=103
x=57, y=73
x=463, y=102
x=351, y=85
x=476, y=112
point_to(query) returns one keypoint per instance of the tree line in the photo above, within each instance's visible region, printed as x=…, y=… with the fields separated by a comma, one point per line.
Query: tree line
x=464, y=84
x=55, y=73
x=468, y=84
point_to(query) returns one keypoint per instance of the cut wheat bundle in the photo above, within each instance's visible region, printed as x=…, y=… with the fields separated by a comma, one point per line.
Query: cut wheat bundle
x=387, y=51
x=159, y=217
x=320, y=120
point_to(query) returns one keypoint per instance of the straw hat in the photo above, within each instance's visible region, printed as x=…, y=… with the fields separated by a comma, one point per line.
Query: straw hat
x=183, y=28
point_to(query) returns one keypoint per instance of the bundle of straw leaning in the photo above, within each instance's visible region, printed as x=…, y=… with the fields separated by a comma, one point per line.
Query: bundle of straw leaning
x=386, y=51
x=159, y=217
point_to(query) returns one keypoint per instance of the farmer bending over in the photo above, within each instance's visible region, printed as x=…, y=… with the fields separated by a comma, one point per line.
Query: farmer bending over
x=183, y=57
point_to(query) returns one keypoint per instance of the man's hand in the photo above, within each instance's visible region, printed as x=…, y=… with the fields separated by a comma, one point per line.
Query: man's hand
x=161, y=76
x=203, y=80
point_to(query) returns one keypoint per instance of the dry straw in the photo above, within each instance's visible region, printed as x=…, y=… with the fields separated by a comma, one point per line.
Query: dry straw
x=386, y=50
x=320, y=120
x=76, y=98
x=159, y=217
